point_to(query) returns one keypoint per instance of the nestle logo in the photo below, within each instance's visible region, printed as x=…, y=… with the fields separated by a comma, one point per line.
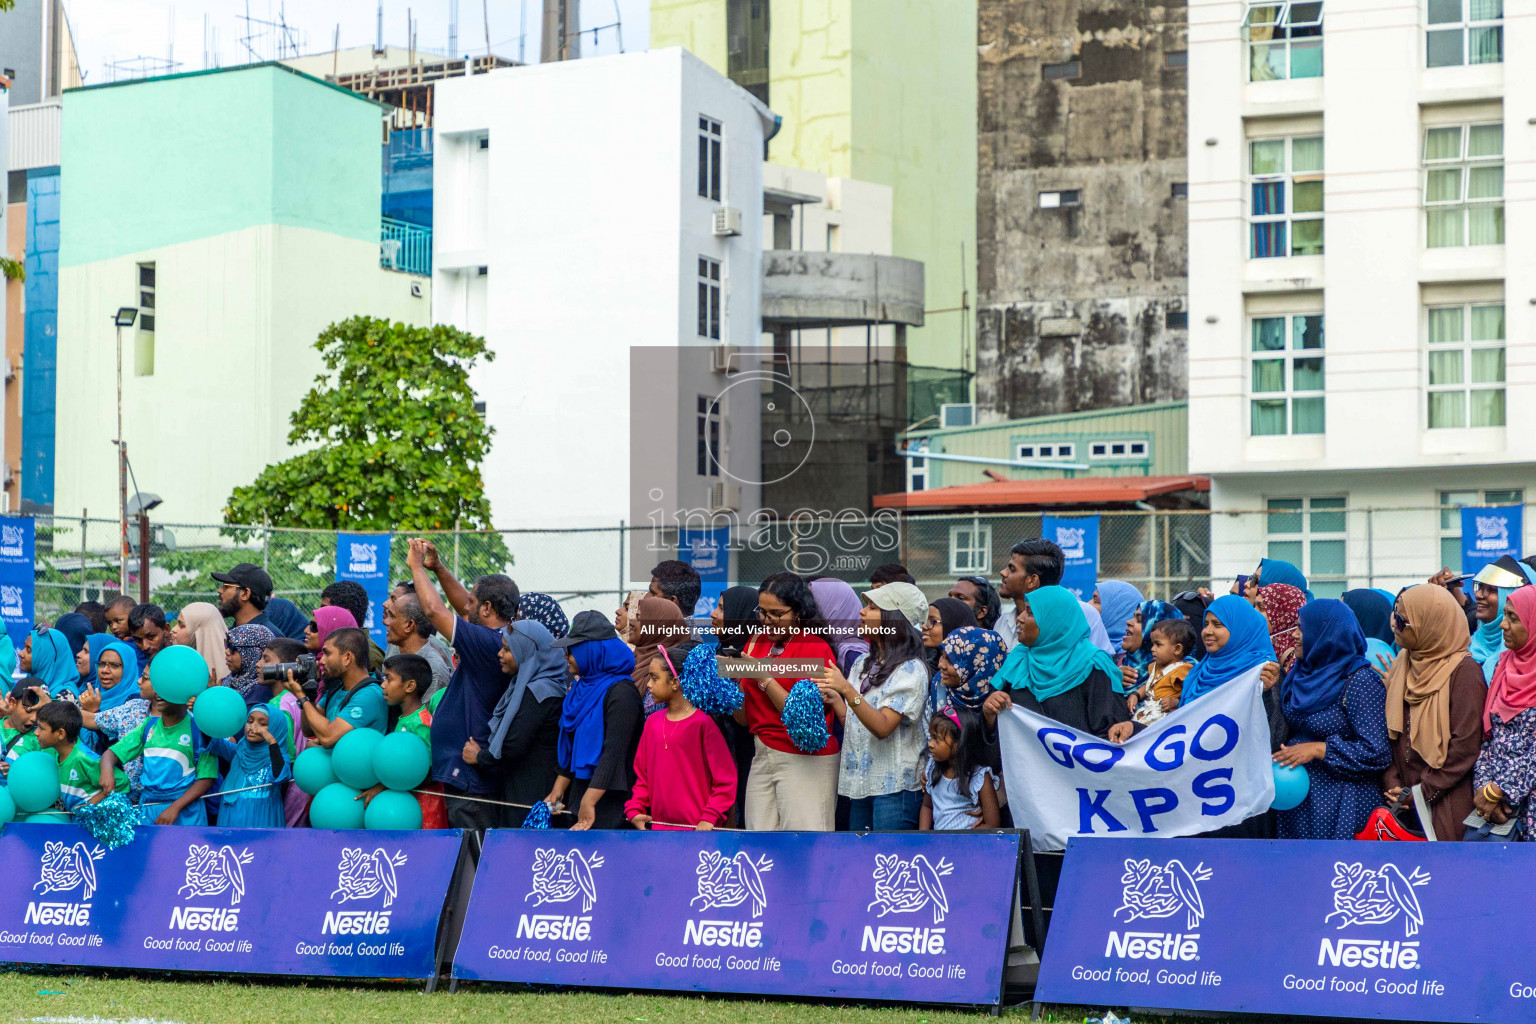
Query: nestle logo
x=1369, y=953
x=558, y=927
x=739, y=934
x=68, y=915
x=1154, y=945
x=902, y=939
x=356, y=922
x=205, y=919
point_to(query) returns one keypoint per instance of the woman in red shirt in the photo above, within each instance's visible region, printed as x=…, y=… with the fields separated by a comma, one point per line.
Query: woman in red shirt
x=787, y=790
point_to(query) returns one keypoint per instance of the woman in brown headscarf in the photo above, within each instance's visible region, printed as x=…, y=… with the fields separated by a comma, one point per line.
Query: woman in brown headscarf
x=1435, y=697
x=659, y=622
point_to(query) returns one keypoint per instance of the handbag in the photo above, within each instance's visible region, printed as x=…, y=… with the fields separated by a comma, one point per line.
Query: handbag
x=1387, y=824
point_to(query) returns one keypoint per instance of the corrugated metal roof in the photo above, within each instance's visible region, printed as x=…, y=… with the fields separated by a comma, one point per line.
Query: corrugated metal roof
x=1026, y=493
x=34, y=135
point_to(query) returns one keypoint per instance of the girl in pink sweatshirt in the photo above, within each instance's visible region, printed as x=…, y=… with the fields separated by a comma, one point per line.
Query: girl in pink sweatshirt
x=685, y=776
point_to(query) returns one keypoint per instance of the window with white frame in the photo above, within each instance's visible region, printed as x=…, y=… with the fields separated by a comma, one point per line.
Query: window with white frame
x=707, y=436
x=1118, y=448
x=1285, y=40
x=917, y=469
x=1464, y=32
x=1050, y=451
x=970, y=549
x=1466, y=365
x=709, y=298
x=1451, y=504
x=1286, y=193
x=144, y=338
x=1286, y=375
x=709, y=158
x=1311, y=534
x=1464, y=185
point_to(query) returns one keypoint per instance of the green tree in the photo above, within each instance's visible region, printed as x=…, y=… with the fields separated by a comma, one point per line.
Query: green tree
x=11, y=270
x=396, y=441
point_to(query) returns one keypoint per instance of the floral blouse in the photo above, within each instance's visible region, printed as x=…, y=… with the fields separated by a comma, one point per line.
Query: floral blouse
x=1508, y=759
x=119, y=722
x=876, y=767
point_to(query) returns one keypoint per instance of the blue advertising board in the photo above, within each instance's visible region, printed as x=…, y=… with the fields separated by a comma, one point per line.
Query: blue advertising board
x=709, y=552
x=253, y=901
x=916, y=916
x=1488, y=534
x=1078, y=538
x=364, y=557
x=18, y=540
x=1406, y=931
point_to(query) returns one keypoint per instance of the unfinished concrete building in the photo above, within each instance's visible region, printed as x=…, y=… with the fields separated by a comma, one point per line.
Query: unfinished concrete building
x=1080, y=209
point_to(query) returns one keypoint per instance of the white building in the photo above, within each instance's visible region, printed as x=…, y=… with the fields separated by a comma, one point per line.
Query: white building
x=1361, y=334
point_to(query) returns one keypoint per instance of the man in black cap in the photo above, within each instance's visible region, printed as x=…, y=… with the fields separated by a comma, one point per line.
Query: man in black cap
x=243, y=594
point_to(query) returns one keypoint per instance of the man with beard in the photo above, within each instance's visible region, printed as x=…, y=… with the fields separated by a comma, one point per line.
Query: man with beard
x=243, y=595
x=476, y=684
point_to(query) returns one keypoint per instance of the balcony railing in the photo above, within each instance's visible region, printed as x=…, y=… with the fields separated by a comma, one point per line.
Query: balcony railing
x=405, y=247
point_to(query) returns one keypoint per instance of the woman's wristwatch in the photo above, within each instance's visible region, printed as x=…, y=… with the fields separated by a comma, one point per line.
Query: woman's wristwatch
x=855, y=701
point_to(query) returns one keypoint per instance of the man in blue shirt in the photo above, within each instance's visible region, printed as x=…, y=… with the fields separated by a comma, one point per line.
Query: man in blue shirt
x=352, y=700
x=477, y=682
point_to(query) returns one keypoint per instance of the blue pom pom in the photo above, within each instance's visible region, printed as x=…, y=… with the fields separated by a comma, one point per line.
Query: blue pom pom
x=703, y=686
x=538, y=816
x=805, y=717
x=110, y=822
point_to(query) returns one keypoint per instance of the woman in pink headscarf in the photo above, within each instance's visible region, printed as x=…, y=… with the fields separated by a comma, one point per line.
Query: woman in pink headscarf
x=322, y=623
x=1504, y=778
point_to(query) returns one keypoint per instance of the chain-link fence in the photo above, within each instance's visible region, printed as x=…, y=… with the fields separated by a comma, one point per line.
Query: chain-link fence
x=1160, y=551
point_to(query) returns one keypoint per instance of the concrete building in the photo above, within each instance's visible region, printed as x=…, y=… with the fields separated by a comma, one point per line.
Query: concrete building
x=598, y=222
x=37, y=51
x=881, y=91
x=1363, y=335
x=1080, y=206
x=250, y=225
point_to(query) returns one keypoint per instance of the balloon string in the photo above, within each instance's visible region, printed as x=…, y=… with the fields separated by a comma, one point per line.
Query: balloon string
x=572, y=814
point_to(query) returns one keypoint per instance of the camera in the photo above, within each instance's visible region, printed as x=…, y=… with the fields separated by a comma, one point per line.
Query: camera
x=303, y=668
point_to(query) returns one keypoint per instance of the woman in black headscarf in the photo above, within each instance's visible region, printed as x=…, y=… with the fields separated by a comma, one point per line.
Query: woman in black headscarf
x=1373, y=611
x=734, y=618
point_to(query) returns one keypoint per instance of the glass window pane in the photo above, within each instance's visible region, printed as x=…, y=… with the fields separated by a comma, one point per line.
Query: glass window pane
x=1307, y=238
x=1450, y=501
x=1307, y=154
x=1327, y=558
x=1447, y=409
x=1443, y=11
x=1330, y=588
x=1287, y=551
x=1263, y=14
x=1488, y=323
x=1325, y=521
x=1487, y=366
x=1307, y=415
x=1442, y=143
x=1444, y=324
x=1443, y=49
x=1307, y=14
x=1268, y=333
x=1445, y=366
x=1444, y=227
x=1268, y=156
x=1485, y=140
x=1485, y=224
x=1269, y=375
x=1269, y=240
x=1450, y=552
x=1443, y=185
x=1307, y=331
x=1284, y=516
x=1268, y=198
x=1486, y=45
x=1485, y=10
x=1488, y=408
x=1268, y=417
x=1307, y=196
x=1515, y=497
x=1482, y=183
x=1267, y=62
x=1307, y=58
x=1307, y=374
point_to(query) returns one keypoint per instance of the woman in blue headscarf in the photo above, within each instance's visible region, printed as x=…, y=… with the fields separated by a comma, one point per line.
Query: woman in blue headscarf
x=7, y=653
x=88, y=655
x=1056, y=670
x=258, y=765
x=524, y=728
x=285, y=619
x=1272, y=570
x=112, y=705
x=600, y=723
x=1117, y=601
x=76, y=628
x=1335, y=706
x=48, y=656
x=1236, y=636
x=1373, y=611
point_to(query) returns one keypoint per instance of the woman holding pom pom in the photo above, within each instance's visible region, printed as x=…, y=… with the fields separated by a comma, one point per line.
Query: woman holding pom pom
x=788, y=789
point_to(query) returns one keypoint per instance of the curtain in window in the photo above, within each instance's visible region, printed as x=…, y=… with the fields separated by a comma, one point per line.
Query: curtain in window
x=1442, y=144
x=1269, y=375
x=1486, y=10
x=1445, y=325
x=1485, y=224
x=1269, y=239
x=1445, y=366
x=1485, y=140
x=1268, y=157
x=1487, y=366
x=1307, y=416
x=1488, y=408
x=1269, y=334
x=1485, y=45
x=1307, y=154
x=1268, y=417
x=1487, y=323
x=1307, y=375
x=1444, y=227
x=1268, y=198
x=1447, y=409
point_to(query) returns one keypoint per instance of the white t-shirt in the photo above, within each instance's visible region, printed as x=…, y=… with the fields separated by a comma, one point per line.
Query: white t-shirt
x=1008, y=628
x=950, y=802
x=876, y=767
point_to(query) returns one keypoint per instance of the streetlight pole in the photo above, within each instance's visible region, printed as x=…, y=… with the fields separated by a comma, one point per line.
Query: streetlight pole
x=123, y=318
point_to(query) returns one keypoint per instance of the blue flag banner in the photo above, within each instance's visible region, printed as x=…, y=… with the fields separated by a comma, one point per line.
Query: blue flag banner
x=910, y=916
x=1332, y=929
x=1078, y=539
x=1488, y=534
x=18, y=539
x=251, y=901
x=709, y=552
x=364, y=557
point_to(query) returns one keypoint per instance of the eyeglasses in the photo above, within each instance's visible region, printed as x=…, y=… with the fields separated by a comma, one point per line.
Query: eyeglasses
x=313, y=626
x=768, y=616
x=1398, y=622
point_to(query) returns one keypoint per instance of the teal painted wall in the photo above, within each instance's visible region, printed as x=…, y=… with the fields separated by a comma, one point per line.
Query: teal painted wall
x=170, y=160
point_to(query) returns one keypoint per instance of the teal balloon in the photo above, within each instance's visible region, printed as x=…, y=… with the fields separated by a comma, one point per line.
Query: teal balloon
x=392, y=811
x=48, y=818
x=352, y=758
x=34, y=781
x=1291, y=785
x=312, y=770
x=7, y=806
x=401, y=761
x=336, y=806
x=178, y=674
x=220, y=712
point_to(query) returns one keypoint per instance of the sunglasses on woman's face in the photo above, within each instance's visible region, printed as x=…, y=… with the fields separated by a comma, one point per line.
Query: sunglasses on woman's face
x=1399, y=623
x=312, y=626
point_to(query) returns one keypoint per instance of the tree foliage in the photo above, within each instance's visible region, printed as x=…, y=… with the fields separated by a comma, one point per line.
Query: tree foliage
x=393, y=438
x=11, y=270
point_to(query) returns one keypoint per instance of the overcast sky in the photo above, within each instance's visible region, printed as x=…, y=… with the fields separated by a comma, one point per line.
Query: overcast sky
x=121, y=30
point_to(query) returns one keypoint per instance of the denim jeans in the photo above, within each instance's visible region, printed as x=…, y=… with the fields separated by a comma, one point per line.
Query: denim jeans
x=893, y=812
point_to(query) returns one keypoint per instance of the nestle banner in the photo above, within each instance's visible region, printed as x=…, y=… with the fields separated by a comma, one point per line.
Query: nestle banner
x=1078, y=539
x=1204, y=766
x=918, y=916
x=1409, y=931
x=364, y=557
x=253, y=901
x=1487, y=534
x=17, y=575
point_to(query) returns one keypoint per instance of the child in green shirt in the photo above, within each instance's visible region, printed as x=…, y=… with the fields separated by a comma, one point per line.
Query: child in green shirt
x=406, y=678
x=80, y=770
x=178, y=769
x=16, y=730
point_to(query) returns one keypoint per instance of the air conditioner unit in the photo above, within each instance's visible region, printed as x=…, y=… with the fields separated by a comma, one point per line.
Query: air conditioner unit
x=957, y=414
x=724, y=495
x=721, y=359
x=727, y=221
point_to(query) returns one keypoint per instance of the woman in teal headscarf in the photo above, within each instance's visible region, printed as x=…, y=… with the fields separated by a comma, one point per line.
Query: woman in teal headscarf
x=1488, y=636
x=48, y=657
x=1055, y=670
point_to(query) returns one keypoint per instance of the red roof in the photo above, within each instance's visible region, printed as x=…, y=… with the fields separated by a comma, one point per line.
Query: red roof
x=1094, y=490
